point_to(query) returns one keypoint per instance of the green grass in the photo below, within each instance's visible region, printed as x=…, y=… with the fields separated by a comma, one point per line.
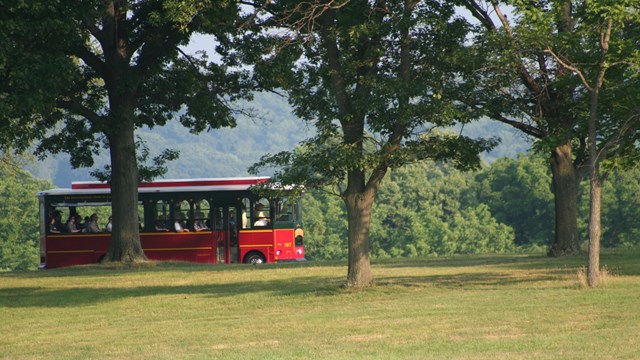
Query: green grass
x=482, y=307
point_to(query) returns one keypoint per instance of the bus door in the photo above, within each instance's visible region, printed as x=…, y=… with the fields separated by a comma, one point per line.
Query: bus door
x=232, y=225
x=226, y=234
x=220, y=234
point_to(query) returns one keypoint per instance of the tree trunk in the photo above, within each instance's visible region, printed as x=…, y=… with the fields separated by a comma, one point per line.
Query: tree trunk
x=359, y=205
x=566, y=183
x=593, y=268
x=122, y=86
x=125, y=239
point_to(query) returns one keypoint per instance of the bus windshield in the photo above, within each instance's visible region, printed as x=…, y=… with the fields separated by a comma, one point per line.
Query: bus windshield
x=287, y=210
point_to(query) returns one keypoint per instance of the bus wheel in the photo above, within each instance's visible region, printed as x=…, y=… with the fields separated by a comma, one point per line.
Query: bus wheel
x=254, y=258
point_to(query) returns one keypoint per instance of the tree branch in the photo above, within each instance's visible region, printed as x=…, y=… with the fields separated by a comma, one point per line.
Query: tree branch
x=78, y=109
x=91, y=59
x=481, y=14
x=574, y=69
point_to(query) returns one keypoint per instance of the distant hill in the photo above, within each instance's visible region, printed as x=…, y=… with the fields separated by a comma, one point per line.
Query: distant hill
x=229, y=152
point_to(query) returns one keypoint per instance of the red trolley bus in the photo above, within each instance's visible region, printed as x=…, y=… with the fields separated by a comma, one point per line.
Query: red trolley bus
x=199, y=220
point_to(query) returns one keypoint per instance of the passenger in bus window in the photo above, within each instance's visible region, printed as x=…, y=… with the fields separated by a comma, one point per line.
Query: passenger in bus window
x=71, y=225
x=55, y=223
x=85, y=224
x=261, y=218
x=109, y=227
x=244, y=217
x=93, y=227
x=161, y=225
x=79, y=224
x=199, y=224
x=180, y=224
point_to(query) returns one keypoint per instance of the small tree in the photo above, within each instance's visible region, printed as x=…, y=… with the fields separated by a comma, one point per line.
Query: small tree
x=611, y=67
x=375, y=79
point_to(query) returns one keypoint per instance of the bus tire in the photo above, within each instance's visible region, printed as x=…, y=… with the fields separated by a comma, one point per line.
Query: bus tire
x=254, y=257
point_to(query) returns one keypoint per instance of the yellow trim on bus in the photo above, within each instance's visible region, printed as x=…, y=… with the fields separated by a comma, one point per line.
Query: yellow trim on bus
x=252, y=246
x=255, y=231
x=69, y=251
x=78, y=235
x=174, y=233
x=170, y=249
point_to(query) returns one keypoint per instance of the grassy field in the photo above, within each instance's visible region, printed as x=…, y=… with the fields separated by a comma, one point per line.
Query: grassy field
x=483, y=307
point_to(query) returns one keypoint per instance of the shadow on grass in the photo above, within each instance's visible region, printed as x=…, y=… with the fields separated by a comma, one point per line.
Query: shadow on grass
x=160, y=266
x=462, y=261
x=473, y=281
x=302, y=287
x=620, y=261
x=82, y=296
x=495, y=276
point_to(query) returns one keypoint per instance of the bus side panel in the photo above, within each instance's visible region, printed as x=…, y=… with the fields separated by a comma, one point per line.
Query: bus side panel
x=195, y=247
x=257, y=240
x=67, y=250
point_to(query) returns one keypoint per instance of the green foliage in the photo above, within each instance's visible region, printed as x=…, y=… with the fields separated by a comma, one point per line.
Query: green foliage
x=421, y=209
x=519, y=194
x=325, y=226
x=374, y=98
x=429, y=209
x=63, y=81
x=226, y=152
x=621, y=209
x=19, y=240
x=146, y=172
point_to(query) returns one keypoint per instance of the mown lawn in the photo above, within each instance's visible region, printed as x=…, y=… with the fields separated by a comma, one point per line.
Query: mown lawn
x=481, y=307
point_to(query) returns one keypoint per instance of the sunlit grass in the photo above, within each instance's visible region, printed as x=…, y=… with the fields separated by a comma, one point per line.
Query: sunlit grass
x=481, y=307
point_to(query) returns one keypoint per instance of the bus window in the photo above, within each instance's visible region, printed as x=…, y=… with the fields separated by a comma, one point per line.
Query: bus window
x=245, y=213
x=201, y=216
x=217, y=217
x=140, y=216
x=162, y=215
x=74, y=218
x=284, y=210
x=261, y=213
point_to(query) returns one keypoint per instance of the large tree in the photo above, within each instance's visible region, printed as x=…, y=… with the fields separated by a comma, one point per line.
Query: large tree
x=375, y=78
x=85, y=75
x=520, y=85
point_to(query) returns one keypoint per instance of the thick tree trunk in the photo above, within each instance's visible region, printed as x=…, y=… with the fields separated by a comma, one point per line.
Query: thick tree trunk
x=359, y=207
x=566, y=183
x=122, y=86
x=125, y=240
x=593, y=268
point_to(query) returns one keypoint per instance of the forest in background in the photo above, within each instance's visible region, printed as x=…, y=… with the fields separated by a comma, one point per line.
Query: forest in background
x=430, y=209
x=425, y=209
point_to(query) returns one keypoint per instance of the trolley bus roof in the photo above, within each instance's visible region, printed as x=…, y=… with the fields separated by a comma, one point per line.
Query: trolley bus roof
x=169, y=185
